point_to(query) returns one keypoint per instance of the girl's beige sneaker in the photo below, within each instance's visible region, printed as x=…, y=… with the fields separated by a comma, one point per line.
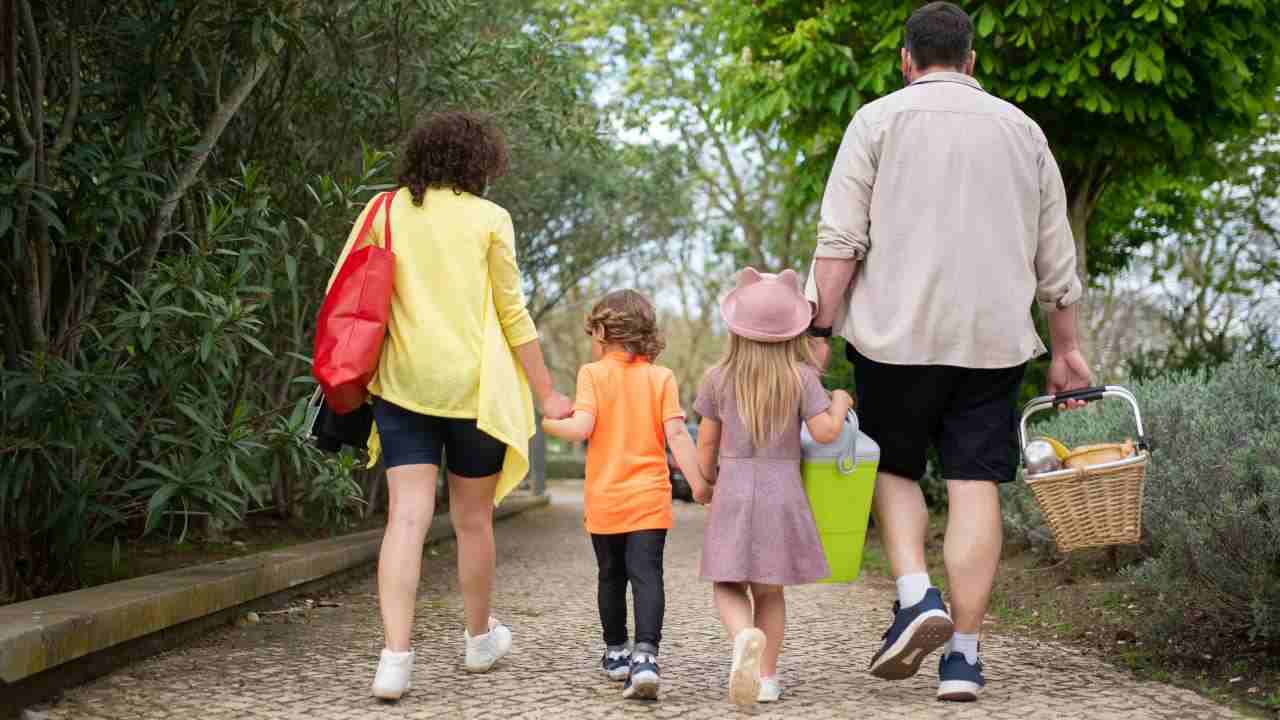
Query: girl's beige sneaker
x=744, y=677
x=770, y=690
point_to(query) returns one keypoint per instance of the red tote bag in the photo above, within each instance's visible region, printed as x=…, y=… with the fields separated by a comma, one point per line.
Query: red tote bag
x=353, y=318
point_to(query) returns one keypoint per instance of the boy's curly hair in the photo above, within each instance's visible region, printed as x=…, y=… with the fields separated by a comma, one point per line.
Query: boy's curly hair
x=462, y=151
x=627, y=318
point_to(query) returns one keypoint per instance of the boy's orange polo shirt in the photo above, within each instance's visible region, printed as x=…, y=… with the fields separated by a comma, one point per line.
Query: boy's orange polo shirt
x=628, y=486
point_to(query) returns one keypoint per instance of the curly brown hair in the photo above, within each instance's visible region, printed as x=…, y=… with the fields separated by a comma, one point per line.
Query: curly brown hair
x=627, y=318
x=459, y=150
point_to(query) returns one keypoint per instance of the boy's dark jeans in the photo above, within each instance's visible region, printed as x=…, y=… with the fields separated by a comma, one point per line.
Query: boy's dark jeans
x=635, y=557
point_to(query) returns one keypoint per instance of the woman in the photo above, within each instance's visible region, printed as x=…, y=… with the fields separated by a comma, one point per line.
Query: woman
x=447, y=387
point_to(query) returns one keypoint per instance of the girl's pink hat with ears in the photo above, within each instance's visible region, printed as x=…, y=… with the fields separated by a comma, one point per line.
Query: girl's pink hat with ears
x=767, y=308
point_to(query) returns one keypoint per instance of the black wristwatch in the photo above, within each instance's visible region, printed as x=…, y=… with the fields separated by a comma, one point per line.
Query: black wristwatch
x=819, y=332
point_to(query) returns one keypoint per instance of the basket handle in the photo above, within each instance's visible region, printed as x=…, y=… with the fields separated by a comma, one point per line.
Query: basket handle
x=1087, y=395
x=1049, y=402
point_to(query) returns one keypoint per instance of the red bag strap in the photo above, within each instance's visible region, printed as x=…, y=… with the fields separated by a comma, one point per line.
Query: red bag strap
x=382, y=202
x=386, y=222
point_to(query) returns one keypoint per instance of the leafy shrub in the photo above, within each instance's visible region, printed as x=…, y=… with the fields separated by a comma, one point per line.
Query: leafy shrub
x=179, y=407
x=1212, y=506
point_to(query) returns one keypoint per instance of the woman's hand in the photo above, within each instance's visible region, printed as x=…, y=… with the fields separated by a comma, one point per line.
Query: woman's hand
x=556, y=406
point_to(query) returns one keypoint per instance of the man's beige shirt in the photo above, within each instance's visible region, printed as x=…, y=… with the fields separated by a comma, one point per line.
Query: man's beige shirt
x=953, y=205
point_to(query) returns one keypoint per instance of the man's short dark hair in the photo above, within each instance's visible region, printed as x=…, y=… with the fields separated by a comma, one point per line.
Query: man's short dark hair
x=939, y=34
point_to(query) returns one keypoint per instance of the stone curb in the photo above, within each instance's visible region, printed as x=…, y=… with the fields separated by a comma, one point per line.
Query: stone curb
x=39, y=637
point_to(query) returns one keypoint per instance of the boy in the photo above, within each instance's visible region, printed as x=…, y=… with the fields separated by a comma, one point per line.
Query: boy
x=629, y=410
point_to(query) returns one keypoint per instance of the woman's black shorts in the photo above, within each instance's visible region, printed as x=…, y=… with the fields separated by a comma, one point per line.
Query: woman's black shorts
x=409, y=438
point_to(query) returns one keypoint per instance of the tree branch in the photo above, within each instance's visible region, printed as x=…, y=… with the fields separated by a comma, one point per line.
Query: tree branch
x=35, y=63
x=158, y=228
x=72, y=113
x=13, y=81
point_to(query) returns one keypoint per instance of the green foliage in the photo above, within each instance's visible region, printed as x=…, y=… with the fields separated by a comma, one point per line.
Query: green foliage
x=1214, y=254
x=170, y=211
x=1120, y=88
x=668, y=62
x=1212, y=504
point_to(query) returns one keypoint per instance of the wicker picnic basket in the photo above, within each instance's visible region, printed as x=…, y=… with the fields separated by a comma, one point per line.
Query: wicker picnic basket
x=1097, y=505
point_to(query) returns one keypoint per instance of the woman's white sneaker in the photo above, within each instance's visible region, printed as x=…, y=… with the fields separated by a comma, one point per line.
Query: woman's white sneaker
x=770, y=690
x=392, y=680
x=484, y=651
x=744, y=677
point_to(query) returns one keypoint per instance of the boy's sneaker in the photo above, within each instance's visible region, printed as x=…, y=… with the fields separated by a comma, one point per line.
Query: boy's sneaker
x=770, y=690
x=744, y=676
x=617, y=663
x=958, y=680
x=916, y=631
x=484, y=651
x=642, y=682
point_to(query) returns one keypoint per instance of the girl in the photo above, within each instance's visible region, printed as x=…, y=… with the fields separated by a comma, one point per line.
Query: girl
x=760, y=534
x=629, y=411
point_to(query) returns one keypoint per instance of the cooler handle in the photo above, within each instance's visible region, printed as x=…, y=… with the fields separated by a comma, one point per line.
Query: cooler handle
x=848, y=462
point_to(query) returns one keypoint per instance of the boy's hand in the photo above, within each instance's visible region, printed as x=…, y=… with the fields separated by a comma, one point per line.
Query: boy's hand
x=702, y=493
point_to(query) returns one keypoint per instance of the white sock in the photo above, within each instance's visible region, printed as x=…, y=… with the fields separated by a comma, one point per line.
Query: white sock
x=911, y=589
x=967, y=644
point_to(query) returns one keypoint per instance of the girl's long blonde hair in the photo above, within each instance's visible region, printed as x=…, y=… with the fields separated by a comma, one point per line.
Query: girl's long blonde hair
x=767, y=384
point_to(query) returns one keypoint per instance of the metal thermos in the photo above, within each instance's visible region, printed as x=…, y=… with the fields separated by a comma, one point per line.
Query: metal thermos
x=1041, y=457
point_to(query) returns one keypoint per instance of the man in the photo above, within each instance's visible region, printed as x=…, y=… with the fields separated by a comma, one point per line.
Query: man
x=944, y=218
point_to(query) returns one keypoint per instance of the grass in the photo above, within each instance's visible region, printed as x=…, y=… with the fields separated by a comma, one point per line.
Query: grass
x=1083, y=601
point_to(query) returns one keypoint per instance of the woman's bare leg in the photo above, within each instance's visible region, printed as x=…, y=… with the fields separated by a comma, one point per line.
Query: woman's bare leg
x=412, y=491
x=471, y=508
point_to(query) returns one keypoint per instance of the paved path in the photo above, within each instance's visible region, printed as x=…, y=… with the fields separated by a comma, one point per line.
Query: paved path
x=318, y=666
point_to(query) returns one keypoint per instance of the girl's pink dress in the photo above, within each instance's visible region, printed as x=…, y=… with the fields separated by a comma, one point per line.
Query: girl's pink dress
x=760, y=528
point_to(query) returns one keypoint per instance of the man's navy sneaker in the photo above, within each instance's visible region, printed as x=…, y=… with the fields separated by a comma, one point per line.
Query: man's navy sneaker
x=616, y=664
x=642, y=683
x=958, y=680
x=916, y=631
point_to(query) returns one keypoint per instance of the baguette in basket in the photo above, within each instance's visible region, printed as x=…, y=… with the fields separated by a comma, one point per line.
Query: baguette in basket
x=1087, y=455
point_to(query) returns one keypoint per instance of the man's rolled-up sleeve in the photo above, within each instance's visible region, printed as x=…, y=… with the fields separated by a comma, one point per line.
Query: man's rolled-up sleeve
x=1058, y=285
x=844, y=221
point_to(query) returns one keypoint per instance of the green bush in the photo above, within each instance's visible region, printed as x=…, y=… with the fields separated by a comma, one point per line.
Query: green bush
x=1211, y=514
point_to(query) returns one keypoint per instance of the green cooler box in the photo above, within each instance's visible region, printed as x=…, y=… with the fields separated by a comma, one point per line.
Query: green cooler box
x=840, y=480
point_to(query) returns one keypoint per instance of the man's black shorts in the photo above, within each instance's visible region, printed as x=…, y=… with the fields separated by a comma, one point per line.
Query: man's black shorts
x=968, y=415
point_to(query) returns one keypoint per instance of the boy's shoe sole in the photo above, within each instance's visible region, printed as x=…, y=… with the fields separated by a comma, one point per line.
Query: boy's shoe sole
x=958, y=691
x=744, y=679
x=925, y=634
x=644, y=686
x=619, y=675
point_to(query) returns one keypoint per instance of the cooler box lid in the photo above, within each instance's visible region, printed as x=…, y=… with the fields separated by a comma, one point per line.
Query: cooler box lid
x=851, y=448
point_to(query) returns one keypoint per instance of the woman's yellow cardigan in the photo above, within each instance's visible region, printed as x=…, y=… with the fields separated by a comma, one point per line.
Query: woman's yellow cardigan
x=457, y=311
